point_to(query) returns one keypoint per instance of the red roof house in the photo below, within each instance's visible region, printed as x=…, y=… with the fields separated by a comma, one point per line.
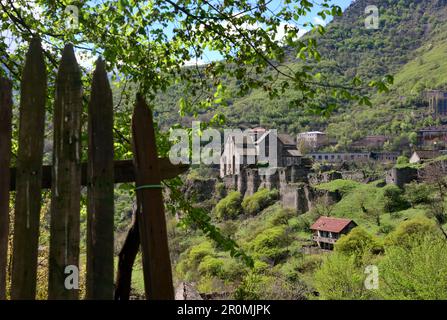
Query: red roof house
x=327, y=230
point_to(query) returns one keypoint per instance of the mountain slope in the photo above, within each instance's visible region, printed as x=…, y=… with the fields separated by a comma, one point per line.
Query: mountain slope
x=410, y=44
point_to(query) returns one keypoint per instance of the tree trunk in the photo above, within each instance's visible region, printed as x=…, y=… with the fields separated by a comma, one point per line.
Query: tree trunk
x=126, y=260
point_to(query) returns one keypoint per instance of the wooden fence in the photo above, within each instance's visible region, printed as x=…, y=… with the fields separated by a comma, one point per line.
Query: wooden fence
x=66, y=177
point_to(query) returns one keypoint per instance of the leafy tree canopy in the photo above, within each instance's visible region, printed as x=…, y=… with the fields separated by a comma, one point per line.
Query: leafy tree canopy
x=149, y=42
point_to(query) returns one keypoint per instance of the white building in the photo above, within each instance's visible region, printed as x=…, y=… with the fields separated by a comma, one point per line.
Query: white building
x=312, y=139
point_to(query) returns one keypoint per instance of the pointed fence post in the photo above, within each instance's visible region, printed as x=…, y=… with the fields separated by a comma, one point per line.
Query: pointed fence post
x=66, y=184
x=152, y=220
x=100, y=181
x=33, y=95
x=5, y=161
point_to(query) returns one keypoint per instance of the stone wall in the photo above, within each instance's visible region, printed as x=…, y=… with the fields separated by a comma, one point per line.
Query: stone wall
x=199, y=189
x=317, y=178
x=358, y=176
x=294, y=184
x=295, y=196
x=401, y=176
x=291, y=182
x=253, y=180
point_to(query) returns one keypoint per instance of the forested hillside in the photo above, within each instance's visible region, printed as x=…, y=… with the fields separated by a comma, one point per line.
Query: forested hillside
x=410, y=44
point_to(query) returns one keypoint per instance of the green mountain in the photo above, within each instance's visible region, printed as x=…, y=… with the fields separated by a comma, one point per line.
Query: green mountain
x=410, y=44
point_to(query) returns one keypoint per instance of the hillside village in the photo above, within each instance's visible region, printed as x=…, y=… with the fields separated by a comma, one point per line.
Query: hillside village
x=320, y=199
x=332, y=184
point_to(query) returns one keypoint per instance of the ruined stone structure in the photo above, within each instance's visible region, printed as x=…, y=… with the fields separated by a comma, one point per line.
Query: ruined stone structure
x=437, y=102
x=291, y=182
x=255, y=147
x=401, y=176
x=370, y=143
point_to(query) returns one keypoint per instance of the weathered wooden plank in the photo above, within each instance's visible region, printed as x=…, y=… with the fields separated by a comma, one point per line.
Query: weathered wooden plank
x=100, y=195
x=124, y=172
x=66, y=186
x=5, y=160
x=152, y=220
x=29, y=173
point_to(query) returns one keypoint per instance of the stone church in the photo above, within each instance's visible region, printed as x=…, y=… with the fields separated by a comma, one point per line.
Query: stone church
x=245, y=151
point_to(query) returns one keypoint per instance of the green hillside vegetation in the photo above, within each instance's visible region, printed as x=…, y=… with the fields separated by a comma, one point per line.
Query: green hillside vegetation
x=396, y=227
x=400, y=231
x=272, y=238
x=423, y=72
x=410, y=45
x=411, y=266
x=394, y=224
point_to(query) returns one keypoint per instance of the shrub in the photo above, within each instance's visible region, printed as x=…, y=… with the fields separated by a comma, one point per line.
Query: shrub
x=232, y=269
x=270, y=287
x=339, y=278
x=210, y=266
x=280, y=216
x=393, y=199
x=259, y=200
x=408, y=232
x=198, y=252
x=209, y=284
x=190, y=260
x=386, y=228
x=268, y=244
x=357, y=243
x=201, y=172
x=309, y=263
x=402, y=160
x=269, y=238
x=261, y=266
x=303, y=222
x=229, y=207
x=417, y=193
x=418, y=272
x=228, y=228
x=248, y=288
x=290, y=269
x=221, y=191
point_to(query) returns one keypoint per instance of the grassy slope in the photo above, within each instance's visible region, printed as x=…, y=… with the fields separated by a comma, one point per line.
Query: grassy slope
x=362, y=202
x=428, y=70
